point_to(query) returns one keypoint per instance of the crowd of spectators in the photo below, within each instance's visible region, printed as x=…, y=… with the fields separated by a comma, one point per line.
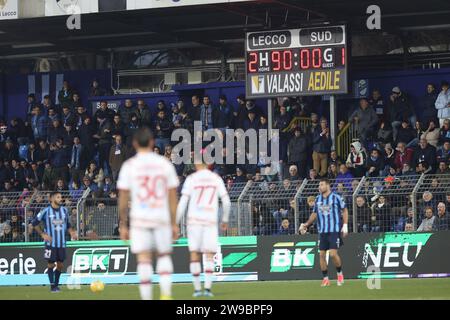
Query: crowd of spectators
x=66, y=147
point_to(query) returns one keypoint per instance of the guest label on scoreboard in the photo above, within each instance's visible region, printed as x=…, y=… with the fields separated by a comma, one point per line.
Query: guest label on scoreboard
x=307, y=61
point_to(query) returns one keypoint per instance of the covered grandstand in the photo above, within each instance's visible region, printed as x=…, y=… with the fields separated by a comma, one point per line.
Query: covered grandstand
x=161, y=58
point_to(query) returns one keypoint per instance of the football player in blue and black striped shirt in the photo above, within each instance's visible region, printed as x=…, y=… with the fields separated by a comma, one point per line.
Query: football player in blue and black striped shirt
x=331, y=213
x=56, y=223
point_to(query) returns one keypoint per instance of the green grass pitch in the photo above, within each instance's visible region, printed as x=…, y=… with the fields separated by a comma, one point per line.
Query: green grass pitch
x=284, y=290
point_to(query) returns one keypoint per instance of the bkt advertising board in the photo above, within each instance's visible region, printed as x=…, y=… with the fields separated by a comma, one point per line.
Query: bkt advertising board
x=393, y=255
x=113, y=262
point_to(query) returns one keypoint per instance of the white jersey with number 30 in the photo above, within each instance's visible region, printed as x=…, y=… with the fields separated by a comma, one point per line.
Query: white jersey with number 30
x=148, y=177
x=204, y=188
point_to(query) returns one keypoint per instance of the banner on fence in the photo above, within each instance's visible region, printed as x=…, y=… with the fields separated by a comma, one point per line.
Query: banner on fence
x=393, y=255
x=113, y=262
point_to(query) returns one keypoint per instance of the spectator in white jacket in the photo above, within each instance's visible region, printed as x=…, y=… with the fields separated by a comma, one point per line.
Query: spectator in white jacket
x=432, y=134
x=442, y=103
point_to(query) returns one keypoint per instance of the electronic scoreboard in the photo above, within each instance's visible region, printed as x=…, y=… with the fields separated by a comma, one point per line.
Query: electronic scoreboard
x=305, y=61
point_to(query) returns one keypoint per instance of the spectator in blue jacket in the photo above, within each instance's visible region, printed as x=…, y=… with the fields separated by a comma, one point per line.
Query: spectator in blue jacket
x=60, y=159
x=375, y=164
x=87, y=183
x=224, y=114
x=443, y=154
x=285, y=227
x=39, y=124
x=429, y=112
x=344, y=177
x=321, y=147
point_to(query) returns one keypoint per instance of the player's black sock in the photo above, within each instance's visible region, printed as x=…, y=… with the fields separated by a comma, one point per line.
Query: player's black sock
x=51, y=276
x=339, y=269
x=325, y=273
x=57, y=275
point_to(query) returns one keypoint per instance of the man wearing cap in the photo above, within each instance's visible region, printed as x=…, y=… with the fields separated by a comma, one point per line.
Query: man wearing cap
x=400, y=109
x=443, y=103
x=365, y=119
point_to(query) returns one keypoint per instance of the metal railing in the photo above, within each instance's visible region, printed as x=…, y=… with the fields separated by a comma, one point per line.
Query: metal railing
x=344, y=139
x=302, y=122
x=18, y=209
x=381, y=204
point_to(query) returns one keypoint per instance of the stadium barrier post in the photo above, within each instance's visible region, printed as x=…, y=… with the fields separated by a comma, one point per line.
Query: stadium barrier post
x=81, y=200
x=26, y=208
x=414, y=199
x=296, y=199
x=354, y=196
x=239, y=203
x=333, y=120
x=27, y=237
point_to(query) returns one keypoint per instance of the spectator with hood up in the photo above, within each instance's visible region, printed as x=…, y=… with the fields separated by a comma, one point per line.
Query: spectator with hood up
x=356, y=160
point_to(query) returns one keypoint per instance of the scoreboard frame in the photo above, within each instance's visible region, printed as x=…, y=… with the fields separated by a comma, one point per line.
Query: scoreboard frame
x=298, y=78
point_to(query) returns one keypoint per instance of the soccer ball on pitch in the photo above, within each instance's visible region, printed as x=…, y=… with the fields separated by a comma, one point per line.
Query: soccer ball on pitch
x=97, y=286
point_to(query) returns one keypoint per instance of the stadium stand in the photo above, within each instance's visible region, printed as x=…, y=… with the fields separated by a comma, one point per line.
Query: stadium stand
x=386, y=162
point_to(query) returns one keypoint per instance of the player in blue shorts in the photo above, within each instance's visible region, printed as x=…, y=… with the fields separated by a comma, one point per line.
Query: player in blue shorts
x=327, y=210
x=56, y=222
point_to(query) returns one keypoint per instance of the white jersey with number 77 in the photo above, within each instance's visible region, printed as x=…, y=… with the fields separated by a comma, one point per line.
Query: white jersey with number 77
x=202, y=190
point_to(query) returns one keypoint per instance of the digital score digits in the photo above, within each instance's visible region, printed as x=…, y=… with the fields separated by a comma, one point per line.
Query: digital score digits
x=294, y=62
x=288, y=60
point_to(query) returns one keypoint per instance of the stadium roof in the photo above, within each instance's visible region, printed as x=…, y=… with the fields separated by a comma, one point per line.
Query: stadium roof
x=209, y=25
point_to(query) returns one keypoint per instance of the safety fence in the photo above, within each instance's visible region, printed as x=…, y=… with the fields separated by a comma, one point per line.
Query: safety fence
x=382, y=204
x=18, y=209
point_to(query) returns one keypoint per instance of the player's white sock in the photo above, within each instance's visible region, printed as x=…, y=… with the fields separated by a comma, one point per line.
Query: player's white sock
x=196, y=269
x=165, y=269
x=145, y=271
x=208, y=268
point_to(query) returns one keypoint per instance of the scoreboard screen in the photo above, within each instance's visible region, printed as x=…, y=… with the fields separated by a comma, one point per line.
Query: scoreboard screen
x=306, y=61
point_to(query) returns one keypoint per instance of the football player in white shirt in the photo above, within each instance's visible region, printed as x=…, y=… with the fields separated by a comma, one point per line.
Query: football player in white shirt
x=201, y=191
x=150, y=182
